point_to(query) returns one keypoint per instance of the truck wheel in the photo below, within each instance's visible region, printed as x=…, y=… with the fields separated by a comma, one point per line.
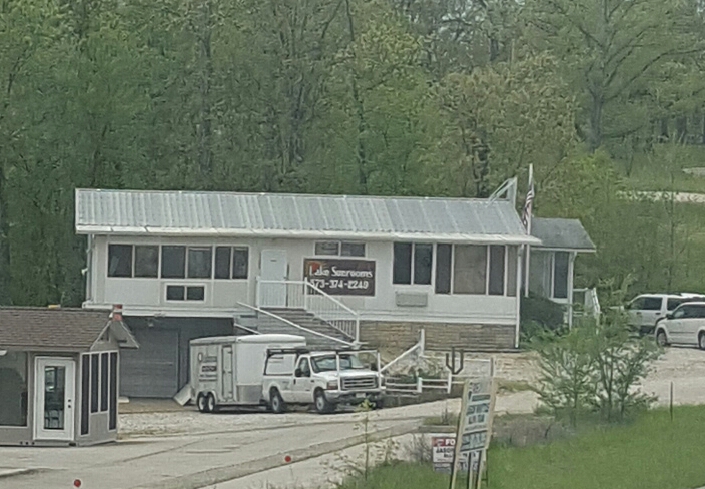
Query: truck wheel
x=276, y=403
x=321, y=403
x=661, y=338
x=210, y=404
x=379, y=404
x=201, y=403
x=701, y=341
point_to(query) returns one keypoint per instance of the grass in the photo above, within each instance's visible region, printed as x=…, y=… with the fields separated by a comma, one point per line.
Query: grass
x=650, y=453
x=652, y=172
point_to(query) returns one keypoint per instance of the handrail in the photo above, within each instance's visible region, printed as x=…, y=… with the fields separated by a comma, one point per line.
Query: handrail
x=306, y=305
x=289, y=323
x=421, y=345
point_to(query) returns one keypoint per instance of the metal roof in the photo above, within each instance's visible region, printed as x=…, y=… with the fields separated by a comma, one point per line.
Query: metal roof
x=561, y=234
x=61, y=330
x=198, y=213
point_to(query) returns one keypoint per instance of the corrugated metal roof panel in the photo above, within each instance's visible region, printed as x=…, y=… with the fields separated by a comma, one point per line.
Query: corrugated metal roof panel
x=230, y=213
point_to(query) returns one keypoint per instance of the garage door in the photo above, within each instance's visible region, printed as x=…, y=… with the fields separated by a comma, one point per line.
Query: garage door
x=153, y=369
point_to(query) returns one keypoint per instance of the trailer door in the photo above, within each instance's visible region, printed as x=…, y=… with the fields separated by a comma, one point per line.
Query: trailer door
x=227, y=366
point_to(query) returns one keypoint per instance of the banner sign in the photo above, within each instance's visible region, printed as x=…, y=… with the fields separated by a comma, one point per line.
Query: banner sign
x=443, y=452
x=341, y=277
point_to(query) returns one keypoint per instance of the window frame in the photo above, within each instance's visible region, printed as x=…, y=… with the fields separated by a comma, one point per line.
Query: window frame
x=132, y=261
x=184, y=287
x=506, y=280
x=412, y=271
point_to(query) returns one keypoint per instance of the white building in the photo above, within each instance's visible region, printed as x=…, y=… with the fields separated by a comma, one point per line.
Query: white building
x=337, y=269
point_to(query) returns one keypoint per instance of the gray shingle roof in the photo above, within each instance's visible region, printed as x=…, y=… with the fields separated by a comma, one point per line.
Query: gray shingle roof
x=40, y=329
x=563, y=234
x=296, y=215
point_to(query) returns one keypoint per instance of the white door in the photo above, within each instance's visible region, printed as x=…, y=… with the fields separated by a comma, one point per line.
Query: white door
x=274, y=273
x=302, y=389
x=227, y=363
x=54, y=398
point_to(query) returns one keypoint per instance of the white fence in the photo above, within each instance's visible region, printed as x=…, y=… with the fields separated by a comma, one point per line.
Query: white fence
x=303, y=295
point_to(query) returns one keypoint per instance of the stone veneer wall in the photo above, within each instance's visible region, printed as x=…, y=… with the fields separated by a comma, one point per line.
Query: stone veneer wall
x=439, y=336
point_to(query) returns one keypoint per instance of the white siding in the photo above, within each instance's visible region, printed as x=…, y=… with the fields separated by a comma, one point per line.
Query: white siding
x=222, y=296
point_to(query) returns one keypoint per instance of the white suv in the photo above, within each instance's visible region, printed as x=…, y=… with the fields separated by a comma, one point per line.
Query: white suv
x=646, y=310
x=685, y=325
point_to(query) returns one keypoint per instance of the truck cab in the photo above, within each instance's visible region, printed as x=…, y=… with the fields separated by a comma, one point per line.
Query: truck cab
x=324, y=379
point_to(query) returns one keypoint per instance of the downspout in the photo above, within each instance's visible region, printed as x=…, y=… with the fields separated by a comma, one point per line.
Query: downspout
x=89, y=266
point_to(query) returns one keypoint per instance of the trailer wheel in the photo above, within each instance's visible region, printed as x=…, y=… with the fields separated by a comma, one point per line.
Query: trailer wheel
x=276, y=403
x=321, y=403
x=210, y=404
x=201, y=403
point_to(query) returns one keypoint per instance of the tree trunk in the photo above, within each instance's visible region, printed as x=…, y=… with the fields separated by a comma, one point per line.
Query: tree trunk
x=4, y=242
x=682, y=129
x=596, y=121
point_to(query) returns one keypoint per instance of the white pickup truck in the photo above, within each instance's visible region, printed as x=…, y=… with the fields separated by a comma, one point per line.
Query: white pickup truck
x=325, y=379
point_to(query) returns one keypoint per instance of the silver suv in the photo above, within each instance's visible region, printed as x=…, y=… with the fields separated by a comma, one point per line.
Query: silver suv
x=645, y=310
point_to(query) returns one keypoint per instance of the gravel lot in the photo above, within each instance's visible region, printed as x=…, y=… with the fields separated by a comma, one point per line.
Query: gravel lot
x=684, y=367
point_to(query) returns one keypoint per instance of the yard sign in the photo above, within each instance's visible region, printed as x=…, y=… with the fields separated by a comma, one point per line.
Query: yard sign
x=475, y=427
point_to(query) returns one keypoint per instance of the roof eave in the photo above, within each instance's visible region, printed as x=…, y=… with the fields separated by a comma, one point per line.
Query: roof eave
x=516, y=239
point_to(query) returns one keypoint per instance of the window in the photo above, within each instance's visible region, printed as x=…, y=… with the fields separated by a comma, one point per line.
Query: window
x=352, y=249
x=413, y=256
x=673, y=303
x=423, y=263
x=85, y=393
x=13, y=389
x=95, y=383
x=560, y=275
x=103, y=382
x=304, y=368
x=185, y=293
x=512, y=252
x=199, y=262
x=173, y=262
x=327, y=248
x=470, y=270
x=496, y=284
x=195, y=293
x=112, y=413
x=146, y=261
x=222, y=262
x=339, y=248
x=402, y=263
x=444, y=262
x=651, y=304
x=120, y=261
x=240, y=263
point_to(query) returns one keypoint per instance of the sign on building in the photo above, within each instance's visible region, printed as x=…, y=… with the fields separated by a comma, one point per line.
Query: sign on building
x=476, y=424
x=341, y=277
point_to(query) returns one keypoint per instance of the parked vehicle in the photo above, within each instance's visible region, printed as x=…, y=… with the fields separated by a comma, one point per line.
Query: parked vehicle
x=324, y=379
x=228, y=370
x=685, y=326
x=645, y=310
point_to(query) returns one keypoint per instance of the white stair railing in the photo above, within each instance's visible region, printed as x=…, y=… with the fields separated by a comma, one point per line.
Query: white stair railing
x=292, y=294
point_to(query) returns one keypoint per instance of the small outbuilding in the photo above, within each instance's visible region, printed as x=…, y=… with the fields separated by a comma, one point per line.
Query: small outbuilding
x=59, y=374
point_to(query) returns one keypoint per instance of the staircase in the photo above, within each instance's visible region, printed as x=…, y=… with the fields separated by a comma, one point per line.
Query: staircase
x=319, y=335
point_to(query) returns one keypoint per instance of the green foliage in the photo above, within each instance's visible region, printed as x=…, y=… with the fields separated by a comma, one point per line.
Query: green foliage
x=540, y=314
x=596, y=366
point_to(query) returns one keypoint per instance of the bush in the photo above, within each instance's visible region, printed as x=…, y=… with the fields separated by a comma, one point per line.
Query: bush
x=595, y=368
x=540, y=312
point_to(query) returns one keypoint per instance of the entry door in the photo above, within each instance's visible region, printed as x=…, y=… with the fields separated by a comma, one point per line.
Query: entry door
x=274, y=269
x=227, y=373
x=54, y=399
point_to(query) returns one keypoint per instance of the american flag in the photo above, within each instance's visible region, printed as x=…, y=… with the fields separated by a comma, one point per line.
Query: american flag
x=528, y=203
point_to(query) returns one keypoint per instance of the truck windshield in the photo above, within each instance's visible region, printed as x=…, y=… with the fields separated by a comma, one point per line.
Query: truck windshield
x=327, y=363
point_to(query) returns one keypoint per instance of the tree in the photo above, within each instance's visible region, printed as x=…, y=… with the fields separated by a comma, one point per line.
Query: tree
x=614, y=49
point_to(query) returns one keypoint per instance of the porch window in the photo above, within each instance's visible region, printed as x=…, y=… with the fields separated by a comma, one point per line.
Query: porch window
x=444, y=262
x=120, y=261
x=13, y=389
x=512, y=252
x=496, y=284
x=413, y=260
x=560, y=274
x=470, y=270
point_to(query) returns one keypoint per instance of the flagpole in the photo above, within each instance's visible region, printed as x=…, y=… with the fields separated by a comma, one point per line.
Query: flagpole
x=528, y=230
